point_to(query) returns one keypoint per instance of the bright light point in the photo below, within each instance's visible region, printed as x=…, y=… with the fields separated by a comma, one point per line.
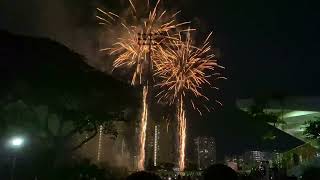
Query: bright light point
x=16, y=141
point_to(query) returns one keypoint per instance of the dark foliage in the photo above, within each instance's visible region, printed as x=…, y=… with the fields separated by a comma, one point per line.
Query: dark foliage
x=41, y=73
x=313, y=129
x=50, y=95
x=311, y=174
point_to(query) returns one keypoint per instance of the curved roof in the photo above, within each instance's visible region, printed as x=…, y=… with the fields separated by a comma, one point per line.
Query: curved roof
x=311, y=103
x=295, y=111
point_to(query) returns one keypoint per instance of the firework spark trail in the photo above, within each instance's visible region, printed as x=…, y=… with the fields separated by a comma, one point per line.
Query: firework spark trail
x=182, y=127
x=182, y=68
x=143, y=127
x=134, y=45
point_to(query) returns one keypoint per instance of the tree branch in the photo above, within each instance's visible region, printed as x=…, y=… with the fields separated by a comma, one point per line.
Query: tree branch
x=32, y=108
x=76, y=129
x=85, y=141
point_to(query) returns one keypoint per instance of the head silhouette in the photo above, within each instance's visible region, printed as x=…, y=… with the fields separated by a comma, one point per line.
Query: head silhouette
x=219, y=172
x=311, y=173
x=143, y=175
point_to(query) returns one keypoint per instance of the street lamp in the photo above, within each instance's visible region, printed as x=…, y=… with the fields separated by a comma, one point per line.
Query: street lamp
x=15, y=143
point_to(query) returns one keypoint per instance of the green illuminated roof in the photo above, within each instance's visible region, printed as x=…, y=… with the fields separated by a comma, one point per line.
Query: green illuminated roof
x=295, y=112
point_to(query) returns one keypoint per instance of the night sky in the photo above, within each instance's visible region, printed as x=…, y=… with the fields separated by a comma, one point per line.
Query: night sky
x=266, y=45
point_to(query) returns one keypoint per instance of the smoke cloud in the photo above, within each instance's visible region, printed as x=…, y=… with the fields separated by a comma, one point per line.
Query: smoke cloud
x=70, y=22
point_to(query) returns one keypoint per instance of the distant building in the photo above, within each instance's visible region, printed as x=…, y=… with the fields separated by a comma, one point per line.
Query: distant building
x=236, y=162
x=149, y=146
x=167, y=142
x=256, y=156
x=294, y=111
x=156, y=144
x=105, y=148
x=160, y=143
x=205, y=151
x=298, y=156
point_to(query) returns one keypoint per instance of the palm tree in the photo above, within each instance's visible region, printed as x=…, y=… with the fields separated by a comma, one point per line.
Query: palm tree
x=280, y=97
x=257, y=111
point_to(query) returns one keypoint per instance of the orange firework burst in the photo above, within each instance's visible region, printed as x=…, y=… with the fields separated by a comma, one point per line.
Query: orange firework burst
x=139, y=39
x=134, y=49
x=182, y=68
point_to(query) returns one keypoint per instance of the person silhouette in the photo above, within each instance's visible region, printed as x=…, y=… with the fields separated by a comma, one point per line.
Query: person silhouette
x=219, y=172
x=311, y=173
x=143, y=175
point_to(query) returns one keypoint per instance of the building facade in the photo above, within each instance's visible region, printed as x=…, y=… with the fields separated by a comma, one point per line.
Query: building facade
x=205, y=148
x=160, y=143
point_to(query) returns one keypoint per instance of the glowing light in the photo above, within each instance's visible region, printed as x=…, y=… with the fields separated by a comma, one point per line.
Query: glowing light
x=298, y=113
x=122, y=147
x=168, y=124
x=99, y=143
x=143, y=128
x=182, y=126
x=155, y=145
x=16, y=141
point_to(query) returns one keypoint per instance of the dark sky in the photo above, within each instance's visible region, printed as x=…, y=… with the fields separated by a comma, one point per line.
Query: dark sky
x=267, y=45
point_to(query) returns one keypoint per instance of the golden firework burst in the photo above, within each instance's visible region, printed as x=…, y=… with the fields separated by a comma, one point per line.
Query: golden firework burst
x=184, y=69
x=133, y=48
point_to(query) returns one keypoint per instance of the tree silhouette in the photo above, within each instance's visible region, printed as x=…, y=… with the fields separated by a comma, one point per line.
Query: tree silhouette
x=312, y=130
x=257, y=111
x=49, y=93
